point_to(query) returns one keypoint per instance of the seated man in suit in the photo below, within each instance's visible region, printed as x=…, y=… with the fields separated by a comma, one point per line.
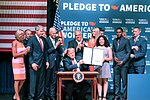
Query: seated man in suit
x=73, y=89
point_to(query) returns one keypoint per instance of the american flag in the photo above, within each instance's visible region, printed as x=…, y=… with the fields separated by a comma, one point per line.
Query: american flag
x=20, y=14
x=57, y=24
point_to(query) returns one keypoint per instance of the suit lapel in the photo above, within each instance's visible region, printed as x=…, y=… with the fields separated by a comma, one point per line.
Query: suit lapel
x=76, y=44
x=115, y=44
x=50, y=42
x=120, y=43
x=137, y=41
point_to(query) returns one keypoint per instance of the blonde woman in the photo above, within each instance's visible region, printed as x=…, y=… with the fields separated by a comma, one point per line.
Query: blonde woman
x=18, y=52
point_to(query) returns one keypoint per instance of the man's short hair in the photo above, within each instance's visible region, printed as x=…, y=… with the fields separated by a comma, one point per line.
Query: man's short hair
x=101, y=29
x=70, y=49
x=119, y=28
x=38, y=27
x=137, y=28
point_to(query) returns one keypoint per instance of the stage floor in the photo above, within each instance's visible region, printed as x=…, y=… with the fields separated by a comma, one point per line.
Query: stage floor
x=9, y=96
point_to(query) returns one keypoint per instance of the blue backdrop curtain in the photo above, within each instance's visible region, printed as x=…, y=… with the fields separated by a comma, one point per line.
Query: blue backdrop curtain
x=6, y=73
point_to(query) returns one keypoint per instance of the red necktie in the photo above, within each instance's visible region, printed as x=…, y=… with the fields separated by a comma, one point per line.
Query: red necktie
x=41, y=44
x=134, y=40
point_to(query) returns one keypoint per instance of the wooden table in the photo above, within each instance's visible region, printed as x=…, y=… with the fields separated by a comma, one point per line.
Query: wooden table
x=69, y=76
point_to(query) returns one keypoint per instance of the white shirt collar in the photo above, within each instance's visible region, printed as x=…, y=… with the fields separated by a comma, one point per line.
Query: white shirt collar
x=79, y=42
x=37, y=37
x=137, y=37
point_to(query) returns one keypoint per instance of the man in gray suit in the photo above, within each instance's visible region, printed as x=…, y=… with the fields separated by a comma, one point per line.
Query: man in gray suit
x=38, y=61
x=139, y=49
x=121, y=53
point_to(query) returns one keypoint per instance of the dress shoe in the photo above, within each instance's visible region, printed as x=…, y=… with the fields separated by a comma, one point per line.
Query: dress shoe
x=52, y=98
x=14, y=97
x=47, y=99
x=124, y=99
x=116, y=99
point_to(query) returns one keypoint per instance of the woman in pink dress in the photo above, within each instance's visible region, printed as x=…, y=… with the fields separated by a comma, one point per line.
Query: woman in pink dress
x=18, y=51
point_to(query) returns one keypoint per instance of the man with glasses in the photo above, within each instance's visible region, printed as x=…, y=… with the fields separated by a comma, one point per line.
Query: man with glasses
x=77, y=43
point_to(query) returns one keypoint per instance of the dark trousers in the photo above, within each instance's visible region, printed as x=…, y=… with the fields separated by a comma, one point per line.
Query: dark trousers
x=37, y=79
x=76, y=91
x=120, y=73
x=25, y=88
x=136, y=69
x=50, y=82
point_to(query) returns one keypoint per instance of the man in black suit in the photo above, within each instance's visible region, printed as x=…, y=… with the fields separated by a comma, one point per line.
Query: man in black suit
x=73, y=89
x=38, y=60
x=121, y=53
x=55, y=51
x=25, y=88
x=77, y=43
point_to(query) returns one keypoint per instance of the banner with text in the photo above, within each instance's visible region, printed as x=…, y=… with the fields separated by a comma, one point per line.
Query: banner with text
x=84, y=15
x=108, y=14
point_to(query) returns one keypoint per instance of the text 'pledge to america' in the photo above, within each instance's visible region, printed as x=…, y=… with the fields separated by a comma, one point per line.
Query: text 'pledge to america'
x=106, y=7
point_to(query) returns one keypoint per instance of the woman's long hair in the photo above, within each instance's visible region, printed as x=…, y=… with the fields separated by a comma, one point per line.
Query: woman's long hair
x=106, y=43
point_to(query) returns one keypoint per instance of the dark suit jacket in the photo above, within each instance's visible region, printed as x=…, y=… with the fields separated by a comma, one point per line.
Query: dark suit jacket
x=69, y=66
x=73, y=44
x=122, y=52
x=139, y=59
x=36, y=55
x=54, y=54
x=26, y=57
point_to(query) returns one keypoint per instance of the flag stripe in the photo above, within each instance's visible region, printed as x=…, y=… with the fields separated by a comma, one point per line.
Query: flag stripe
x=5, y=49
x=6, y=41
x=22, y=3
x=14, y=28
x=7, y=36
x=30, y=20
x=57, y=24
x=19, y=24
x=24, y=7
x=23, y=16
x=23, y=12
x=10, y=32
x=5, y=45
x=29, y=0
